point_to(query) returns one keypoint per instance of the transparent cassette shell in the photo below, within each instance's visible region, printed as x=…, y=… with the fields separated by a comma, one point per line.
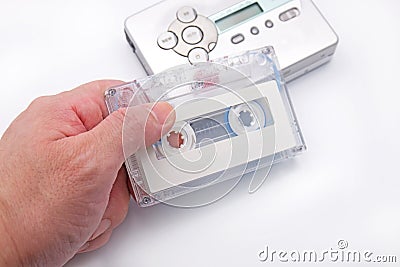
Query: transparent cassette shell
x=202, y=82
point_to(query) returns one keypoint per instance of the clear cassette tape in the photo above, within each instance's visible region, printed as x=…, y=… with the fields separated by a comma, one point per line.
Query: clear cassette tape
x=233, y=117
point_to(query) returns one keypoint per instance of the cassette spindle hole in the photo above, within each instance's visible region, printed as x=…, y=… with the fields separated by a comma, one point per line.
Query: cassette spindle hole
x=180, y=139
x=246, y=118
x=146, y=200
x=176, y=139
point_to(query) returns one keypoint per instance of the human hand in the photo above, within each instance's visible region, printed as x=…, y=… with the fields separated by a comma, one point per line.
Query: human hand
x=63, y=189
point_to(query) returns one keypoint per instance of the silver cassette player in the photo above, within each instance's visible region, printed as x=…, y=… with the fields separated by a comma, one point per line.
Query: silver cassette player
x=171, y=33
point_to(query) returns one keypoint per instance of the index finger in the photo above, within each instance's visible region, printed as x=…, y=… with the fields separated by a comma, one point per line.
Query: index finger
x=87, y=101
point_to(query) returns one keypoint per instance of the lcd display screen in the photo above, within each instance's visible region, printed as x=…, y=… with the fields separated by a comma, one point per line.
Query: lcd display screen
x=239, y=16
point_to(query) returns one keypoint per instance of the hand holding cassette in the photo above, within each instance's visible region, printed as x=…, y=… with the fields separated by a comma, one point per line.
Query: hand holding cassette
x=233, y=117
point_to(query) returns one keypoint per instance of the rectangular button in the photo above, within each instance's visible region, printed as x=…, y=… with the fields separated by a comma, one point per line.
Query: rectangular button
x=289, y=14
x=238, y=38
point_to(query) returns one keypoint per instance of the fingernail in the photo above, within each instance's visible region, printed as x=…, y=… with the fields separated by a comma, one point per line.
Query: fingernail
x=170, y=121
x=164, y=114
x=84, y=247
x=103, y=226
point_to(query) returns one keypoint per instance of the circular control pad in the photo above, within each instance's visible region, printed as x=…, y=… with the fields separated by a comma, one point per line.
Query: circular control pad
x=190, y=35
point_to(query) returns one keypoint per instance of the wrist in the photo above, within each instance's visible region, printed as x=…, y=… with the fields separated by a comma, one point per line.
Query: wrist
x=9, y=255
x=10, y=248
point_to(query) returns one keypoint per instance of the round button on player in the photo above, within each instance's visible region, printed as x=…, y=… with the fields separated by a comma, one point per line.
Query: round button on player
x=167, y=40
x=197, y=55
x=192, y=35
x=211, y=46
x=186, y=14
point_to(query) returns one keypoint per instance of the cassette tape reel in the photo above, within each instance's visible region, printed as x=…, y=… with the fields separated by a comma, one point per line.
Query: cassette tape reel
x=233, y=117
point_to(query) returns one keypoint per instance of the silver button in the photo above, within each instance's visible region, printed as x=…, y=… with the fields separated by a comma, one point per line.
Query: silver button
x=167, y=40
x=186, y=14
x=192, y=35
x=254, y=30
x=289, y=14
x=238, y=38
x=269, y=24
x=198, y=55
x=211, y=46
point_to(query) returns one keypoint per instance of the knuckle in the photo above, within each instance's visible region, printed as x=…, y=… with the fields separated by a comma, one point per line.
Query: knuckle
x=39, y=101
x=42, y=104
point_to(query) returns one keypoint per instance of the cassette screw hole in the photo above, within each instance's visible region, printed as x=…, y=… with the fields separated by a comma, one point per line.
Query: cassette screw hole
x=175, y=139
x=146, y=200
x=112, y=92
x=247, y=118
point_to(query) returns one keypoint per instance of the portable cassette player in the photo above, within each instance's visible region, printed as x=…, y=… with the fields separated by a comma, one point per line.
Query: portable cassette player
x=171, y=33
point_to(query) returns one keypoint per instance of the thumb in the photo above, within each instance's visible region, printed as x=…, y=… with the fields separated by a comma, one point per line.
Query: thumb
x=125, y=131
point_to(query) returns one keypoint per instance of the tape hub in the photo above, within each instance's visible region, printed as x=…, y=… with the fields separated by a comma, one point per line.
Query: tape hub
x=181, y=138
x=176, y=139
x=246, y=118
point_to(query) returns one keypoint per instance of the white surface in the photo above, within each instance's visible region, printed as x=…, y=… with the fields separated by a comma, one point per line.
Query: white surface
x=345, y=187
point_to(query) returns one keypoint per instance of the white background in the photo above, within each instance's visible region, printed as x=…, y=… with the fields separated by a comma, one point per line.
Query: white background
x=346, y=186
